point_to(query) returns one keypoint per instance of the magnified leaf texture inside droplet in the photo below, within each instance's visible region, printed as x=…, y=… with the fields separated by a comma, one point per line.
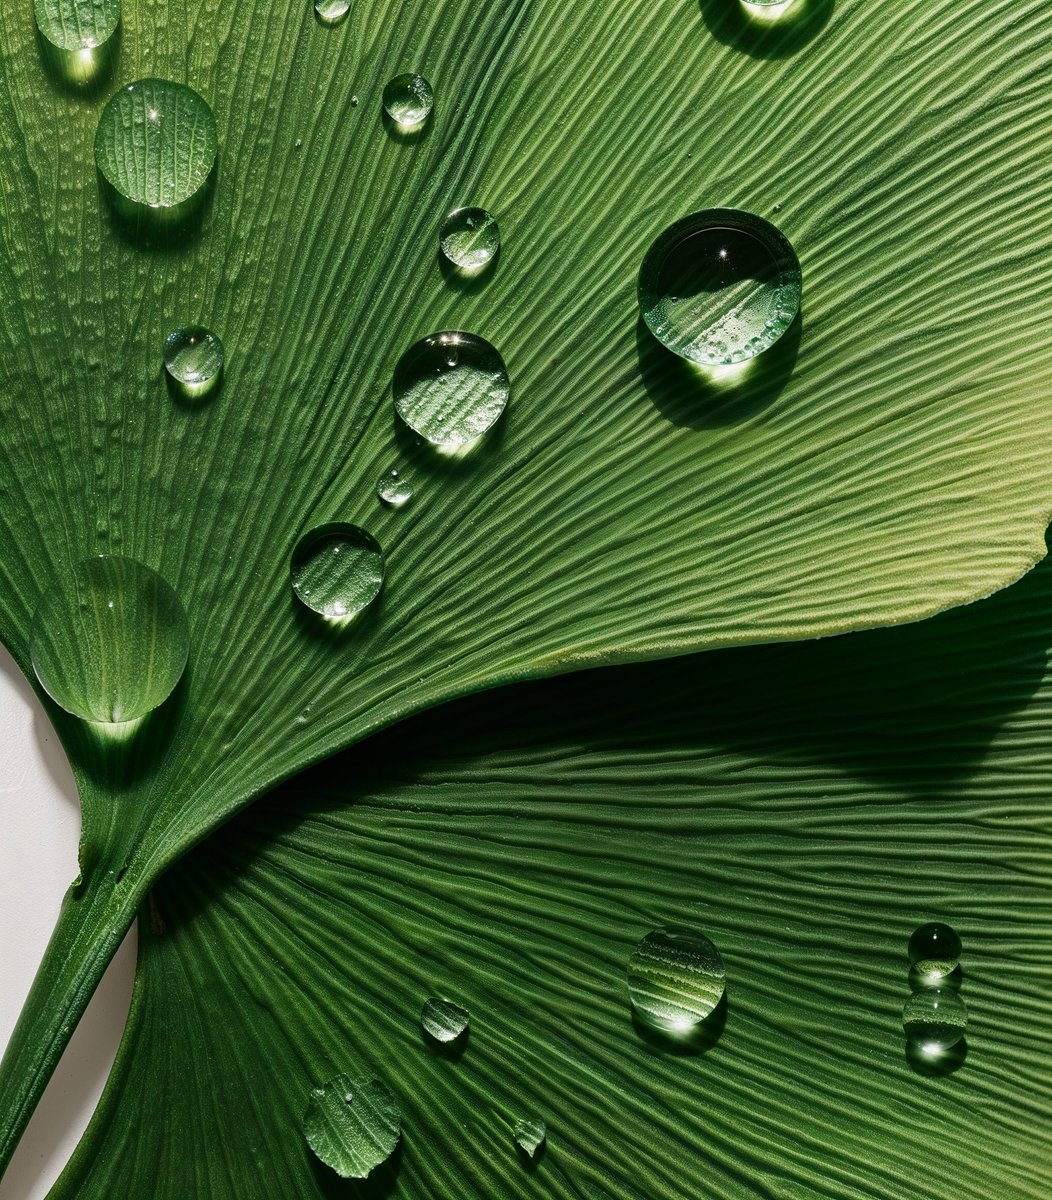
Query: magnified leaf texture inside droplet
x=77, y=24
x=352, y=1125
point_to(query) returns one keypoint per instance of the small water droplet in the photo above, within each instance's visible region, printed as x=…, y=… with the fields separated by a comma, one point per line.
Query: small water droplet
x=337, y=570
x=298, y=144
x=331, y=12
x=451, y=388
x=110, y=643
x=469, y=238
x=352, y=1125
x=720, y=286
x=443, y=1020
x=393, y=489
x=934, y=951
x=193, y=358
x=354, y=102
x=676, y=978
x=935, y=1019
x=408, y=100
x=529, y=1134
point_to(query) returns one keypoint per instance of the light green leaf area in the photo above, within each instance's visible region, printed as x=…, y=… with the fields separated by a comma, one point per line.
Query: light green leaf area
x=806, y=807
x=891, y=458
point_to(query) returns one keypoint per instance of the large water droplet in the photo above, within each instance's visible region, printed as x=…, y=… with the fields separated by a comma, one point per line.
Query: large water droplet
x=469, y=238
x=331, y=12
x=111, y=642
x=156, y=143
x=451, y=388
x=77, y=25
x=935, y=1018
x=934, y=951
x=720, y=286
x=337, y=570
x=443, y=1020
x=529, y=1134
x=393, y=489
x=676, y=978
x=193, y=358
x=352, y=1125
x=408, y=100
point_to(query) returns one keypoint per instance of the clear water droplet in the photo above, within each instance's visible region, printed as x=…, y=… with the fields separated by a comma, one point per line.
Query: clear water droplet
x=77, y=25
x=110, y=643
x=337, y=570
x=156, y=143
x=443, y=1020
x=935, y=1018
x=469, y=238
x=451, y=388
x=331, y=12
x=934, y=951
x=529, y=1134
x=193, y=358
x=408, y=100
x=393, y=489
x=676, y=978
x=352, y=1125
x=717, y=275
x=354, y=102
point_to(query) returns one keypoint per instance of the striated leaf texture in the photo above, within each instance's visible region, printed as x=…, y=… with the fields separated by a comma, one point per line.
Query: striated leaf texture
x=806, y=807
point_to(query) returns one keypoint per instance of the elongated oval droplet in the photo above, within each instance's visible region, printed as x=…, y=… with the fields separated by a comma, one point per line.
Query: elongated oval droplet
x=934, y=951
x=443, y=1020
x=676, y=978
x=331, y=12
x=337, y=570
x=77, y=25
x=156, y=143
x=111, y=642
x=408, y=100
x=451, y=388
x=935, y=1019
x=469, y=238
x=530, y=1134
x=352, y=1125
x=720, y=287
x=193, y=358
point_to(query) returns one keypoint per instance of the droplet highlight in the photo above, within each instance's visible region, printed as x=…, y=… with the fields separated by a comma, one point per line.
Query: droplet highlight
x=393, y=489
x=332, y=12
x=408, y=100
x=193, y=358
x=110, y=643
x=443, y=1020
x=469, y=238
x=451, y=388
x=935, y=1019
x=337, y=570
x=676, y=978
x=156, y=143
x=352, y=1125
x=530, y=1134
x=720, y=287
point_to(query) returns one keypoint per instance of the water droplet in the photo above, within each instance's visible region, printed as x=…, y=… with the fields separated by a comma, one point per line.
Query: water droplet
x=469, y=238
x=934, y=951
x=337, y=570
x=156, y=143
x=354, y=102
x=193, y=358
x=111, y=642
x=706, y=266
x=451, y=388
x=675, y=979
x=331, y=12
x=408, y=100
x=935, y=1018
x=443, y=1020
x=77, y=25
x=529, y=1135
x=393, y=489
x=352, y=1125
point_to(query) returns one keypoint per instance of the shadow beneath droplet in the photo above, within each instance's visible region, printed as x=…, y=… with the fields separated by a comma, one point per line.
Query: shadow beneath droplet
x=938, y=1063
x=692, y=397
x=85, y=74
x=161, y=230
x=921, y=983
x=334, y=632
x=530, y=1162
x=380, y=1184
x=451, y=1051
x=458, y=279
x=408, y=135
x=435, y=463
x=192, y=403
x=731, y=22
x=698, y=1040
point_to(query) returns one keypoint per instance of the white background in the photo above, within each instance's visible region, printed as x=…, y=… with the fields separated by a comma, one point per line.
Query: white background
x=39, y=829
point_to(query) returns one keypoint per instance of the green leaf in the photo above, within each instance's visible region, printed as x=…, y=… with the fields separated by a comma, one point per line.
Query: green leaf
x=891, y=458
x=806, y=807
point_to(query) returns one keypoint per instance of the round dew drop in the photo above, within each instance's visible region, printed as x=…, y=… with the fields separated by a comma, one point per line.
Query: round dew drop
x=469, y=238
x=77, y=26
x=676, y=978
x=451, y=388
x=331, y=12
x=110, y=643
x=193, y=358
x=337, y=570
x=934, y=951
x=935, y=1019
x=720, y=287
x=408, y=100
x=443, y=1021
x=393, y=490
